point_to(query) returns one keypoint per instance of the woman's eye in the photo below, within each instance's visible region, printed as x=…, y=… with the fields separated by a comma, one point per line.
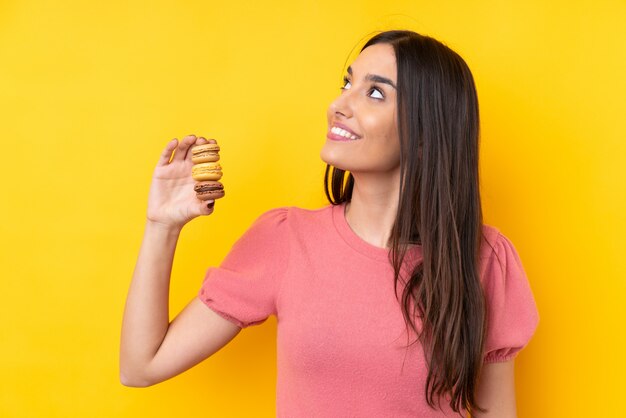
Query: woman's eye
x=379, y=92
x=345, y=81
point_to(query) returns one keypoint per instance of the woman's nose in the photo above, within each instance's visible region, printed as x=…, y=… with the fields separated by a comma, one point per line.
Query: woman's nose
x=342, y=105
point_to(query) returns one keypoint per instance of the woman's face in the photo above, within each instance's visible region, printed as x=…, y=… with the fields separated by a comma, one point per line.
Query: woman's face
x=366, y=107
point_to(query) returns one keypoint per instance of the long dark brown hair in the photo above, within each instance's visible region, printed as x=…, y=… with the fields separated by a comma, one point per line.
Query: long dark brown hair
x=439, y=208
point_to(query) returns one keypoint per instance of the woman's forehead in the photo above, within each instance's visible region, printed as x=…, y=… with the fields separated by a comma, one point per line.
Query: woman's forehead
x=377, y=59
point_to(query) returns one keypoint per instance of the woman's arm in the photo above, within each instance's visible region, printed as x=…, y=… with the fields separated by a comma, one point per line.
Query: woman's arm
x=496, y=391
x=153, y=350
x=146, y=315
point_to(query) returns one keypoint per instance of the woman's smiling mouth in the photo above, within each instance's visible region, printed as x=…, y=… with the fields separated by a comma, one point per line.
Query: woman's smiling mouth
x=338, y=133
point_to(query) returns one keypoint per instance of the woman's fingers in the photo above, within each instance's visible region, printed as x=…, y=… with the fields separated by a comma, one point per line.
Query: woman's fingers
x=204, y=207
x=182, y=152
x=185, y=144
x=167, y=152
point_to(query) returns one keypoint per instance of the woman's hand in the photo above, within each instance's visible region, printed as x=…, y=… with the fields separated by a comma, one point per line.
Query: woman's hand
x=172, y=201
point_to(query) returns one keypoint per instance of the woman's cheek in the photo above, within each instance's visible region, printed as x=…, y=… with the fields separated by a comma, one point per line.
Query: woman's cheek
x=389, y=155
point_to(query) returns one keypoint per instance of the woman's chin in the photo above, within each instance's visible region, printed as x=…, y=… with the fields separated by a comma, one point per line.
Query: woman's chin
x=333, y=159
x=332, y=156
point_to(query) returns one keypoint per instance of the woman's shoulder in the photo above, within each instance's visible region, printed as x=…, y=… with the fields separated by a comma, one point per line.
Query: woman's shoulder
x=297, y=221
x=489, y=239
x=494, y=242
x=498, y=253
x=297, y=214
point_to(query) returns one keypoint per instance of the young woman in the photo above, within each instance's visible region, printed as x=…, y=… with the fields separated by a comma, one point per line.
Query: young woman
x=393, y=301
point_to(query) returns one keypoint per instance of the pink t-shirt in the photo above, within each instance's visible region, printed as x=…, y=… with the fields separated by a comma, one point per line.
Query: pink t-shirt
x=341, y=334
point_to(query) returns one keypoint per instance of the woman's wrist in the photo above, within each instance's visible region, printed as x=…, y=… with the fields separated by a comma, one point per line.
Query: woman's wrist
x=160, y=227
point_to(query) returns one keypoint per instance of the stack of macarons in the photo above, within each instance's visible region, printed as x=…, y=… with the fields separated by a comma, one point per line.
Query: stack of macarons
x=206, y=171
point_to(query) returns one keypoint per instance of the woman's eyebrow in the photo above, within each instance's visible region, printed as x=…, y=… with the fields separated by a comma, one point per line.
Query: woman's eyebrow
x=375, y=78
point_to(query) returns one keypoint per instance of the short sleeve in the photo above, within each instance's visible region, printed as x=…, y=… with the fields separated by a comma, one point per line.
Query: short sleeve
x=243, y=289
x=511, y=309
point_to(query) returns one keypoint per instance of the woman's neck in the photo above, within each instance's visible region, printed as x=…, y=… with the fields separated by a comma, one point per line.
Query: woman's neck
x=372, y=210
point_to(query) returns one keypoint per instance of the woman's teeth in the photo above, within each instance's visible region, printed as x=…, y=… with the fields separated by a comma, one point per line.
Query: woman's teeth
x=344, y=133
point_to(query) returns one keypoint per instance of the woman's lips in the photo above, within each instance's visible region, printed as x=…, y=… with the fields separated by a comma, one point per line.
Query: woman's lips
x=335, y=137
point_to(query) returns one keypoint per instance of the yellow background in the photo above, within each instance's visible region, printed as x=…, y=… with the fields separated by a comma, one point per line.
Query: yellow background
x=90, y=93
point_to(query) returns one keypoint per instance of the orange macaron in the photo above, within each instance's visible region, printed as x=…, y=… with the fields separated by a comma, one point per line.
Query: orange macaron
x=205, y=153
